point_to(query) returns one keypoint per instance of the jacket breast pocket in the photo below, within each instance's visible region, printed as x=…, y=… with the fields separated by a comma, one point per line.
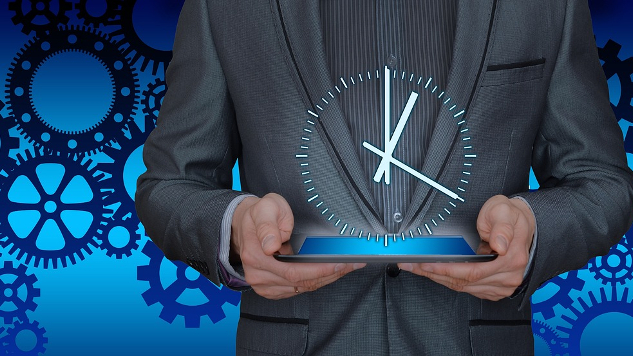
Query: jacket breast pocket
x=511, y=73
x=262, y=335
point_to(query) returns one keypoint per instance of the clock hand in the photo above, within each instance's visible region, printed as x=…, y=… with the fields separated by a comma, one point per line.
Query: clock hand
x=387, y=119
x=412, y=171
x=390, y=146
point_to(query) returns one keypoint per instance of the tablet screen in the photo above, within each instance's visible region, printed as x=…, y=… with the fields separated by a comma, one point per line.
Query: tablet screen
x=336, y=245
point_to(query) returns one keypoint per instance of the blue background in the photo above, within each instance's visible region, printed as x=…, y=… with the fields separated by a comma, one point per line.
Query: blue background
x=97, y=303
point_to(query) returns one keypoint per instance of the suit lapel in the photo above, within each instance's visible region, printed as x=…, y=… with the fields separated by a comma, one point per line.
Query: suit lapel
x=472, y=39
x=301, y=27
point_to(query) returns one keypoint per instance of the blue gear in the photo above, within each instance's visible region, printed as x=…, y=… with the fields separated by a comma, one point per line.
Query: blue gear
x=168, y=296
x=6, y=141
x=10, y=292
x=132, y=45
x=91, y=43
x=34, y=327
x=118, y=200
x=40, y=9
x=97, y=21
x=153, y=98
x=617, y=266
x=584, y=315
x=74, y=246
x=565, y=285
x=623, y=69
x=129, y=223
x=550, y=337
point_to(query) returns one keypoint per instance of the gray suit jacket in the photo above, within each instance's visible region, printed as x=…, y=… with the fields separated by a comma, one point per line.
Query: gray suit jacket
x=243, y=76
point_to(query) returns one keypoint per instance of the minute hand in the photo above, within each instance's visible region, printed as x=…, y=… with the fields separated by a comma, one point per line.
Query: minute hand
x=413, y=172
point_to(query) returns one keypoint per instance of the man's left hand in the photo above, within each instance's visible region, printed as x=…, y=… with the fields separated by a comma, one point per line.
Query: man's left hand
x=506, y=226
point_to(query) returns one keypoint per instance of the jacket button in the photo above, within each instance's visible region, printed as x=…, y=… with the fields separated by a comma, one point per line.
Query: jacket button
x=392, y=270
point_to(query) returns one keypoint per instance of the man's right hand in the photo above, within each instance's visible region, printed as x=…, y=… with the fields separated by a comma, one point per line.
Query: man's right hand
x=261, y=228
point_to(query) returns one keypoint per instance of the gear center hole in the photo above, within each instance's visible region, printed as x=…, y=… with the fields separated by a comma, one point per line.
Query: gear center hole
x=50, y=207
x=613, y=261
x=8, y=292
x=119, y=237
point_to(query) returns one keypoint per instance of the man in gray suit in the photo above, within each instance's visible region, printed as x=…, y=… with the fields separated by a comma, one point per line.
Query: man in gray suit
x=303, y=91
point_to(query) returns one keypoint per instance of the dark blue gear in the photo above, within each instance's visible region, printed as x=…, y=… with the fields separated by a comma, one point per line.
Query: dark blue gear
x=623, y=69
x=129, y=223
x=565, y=285
x=117, y=199
x=40, y=10
x=82, y=40
x=97, y=21
x=550, y=337
x=20, y=327
x=152, y=98
x=74, y=246
x=617, y=266
x=13, y=304
x=168, y=296
x=584, y=315
x=6, y=141
x=133, y=45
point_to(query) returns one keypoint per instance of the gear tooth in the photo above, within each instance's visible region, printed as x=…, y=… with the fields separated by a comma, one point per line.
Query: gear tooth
x=193, y=322
x=169, y=316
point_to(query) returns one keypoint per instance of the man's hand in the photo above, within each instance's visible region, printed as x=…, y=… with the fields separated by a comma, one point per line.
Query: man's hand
x=506, y=226
x=261, y=228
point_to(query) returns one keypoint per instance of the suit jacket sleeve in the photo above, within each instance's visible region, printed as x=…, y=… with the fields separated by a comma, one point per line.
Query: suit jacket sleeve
x=584, y=204
x=183, y=195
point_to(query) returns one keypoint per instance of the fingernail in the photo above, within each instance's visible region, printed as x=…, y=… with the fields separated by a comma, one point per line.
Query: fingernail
x=266, y=241
x=502, y=242
x=339, y=267
x=358, y=266
x=406, y=267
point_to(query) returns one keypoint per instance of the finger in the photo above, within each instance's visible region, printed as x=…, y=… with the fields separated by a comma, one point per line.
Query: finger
x=265, y=215
x=469, y=272
x=300, y=272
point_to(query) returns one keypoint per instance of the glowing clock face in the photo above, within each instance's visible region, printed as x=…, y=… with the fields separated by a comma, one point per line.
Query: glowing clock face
x=452, y=192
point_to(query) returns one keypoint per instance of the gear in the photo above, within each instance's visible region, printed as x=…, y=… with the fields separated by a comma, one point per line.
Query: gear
x=168, y=296
x=130, y=224
x=52, y=218
x=550, y=337
x=613, y=65
x=133, y=45
x=617, y=266
x=34, y=56
x=6, y=141
x=27, y=327
x=13, y=303
x=153, y=98
x=112, y=6
x=117, y=200
x=587, y=313
x=40, y=10
x=561, y=296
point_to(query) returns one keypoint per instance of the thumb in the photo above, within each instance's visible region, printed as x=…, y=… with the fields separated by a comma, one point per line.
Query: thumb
x=496, y=224
x=273, y=222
